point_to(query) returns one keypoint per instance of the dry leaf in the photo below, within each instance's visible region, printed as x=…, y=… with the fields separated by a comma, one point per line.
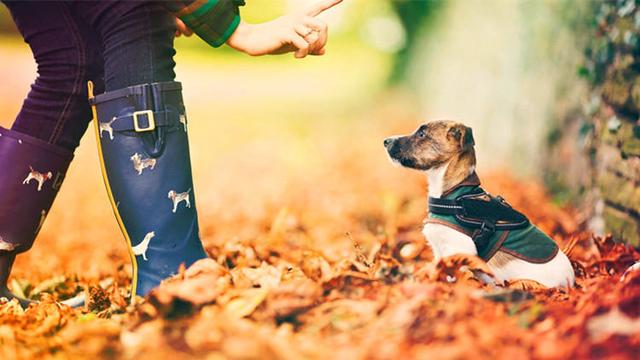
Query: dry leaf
x=245, y=303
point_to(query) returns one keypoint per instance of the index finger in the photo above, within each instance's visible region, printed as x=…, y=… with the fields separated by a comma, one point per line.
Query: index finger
x=320, y=6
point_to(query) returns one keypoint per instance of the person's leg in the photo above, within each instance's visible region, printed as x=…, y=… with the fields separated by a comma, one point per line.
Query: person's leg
x=142, y=137
x=66, y=52
x=137, y=40
x=36, y=152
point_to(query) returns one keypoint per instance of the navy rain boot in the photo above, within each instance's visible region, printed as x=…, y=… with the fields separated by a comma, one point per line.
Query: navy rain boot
x=31, y=173
x=144, y=152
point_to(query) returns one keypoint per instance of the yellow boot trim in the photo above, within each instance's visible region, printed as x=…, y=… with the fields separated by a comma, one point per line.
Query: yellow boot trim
x=114, y=206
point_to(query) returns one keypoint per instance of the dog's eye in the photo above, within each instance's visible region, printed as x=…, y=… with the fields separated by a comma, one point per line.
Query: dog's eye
x=421, y=134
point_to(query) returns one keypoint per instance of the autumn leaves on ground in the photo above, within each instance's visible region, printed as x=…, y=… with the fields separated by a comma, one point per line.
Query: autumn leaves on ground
x=315, y=246
x=335, y=266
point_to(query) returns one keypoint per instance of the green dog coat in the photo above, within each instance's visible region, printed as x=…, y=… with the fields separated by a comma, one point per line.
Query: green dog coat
x=491, y=222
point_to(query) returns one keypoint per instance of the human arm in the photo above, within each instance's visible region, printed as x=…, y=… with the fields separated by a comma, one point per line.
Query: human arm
x=218, y=21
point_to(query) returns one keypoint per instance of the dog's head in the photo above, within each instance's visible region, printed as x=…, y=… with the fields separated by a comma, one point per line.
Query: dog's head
x=48, y=175
x=171, y=194
x=135, y=157
x=431, y=145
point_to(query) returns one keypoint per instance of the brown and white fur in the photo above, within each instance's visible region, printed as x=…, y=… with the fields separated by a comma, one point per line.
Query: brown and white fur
x=140, y=164
x=444, y=151
x=41, y=178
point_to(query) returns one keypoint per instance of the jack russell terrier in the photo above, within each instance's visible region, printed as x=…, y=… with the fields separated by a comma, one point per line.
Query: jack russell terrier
x=465, y=219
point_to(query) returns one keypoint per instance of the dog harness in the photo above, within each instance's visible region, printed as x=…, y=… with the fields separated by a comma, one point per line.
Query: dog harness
x=491, y=223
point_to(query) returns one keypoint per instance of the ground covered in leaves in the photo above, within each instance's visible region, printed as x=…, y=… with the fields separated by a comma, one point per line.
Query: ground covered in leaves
x=281, y=294
x=315, y=245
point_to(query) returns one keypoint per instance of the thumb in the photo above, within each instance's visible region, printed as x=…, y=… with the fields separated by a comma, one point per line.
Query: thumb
x=321, y=6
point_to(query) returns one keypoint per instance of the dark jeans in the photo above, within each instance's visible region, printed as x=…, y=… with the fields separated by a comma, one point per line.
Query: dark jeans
x=115, y=44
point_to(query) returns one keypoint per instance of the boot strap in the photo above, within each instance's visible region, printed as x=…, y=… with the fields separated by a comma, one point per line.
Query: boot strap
x=142, y=118
x=135, y=90
x=146, y=120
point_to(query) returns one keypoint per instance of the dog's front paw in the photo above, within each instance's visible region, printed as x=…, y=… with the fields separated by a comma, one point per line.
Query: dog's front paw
x=525, y=284
x=463, y=267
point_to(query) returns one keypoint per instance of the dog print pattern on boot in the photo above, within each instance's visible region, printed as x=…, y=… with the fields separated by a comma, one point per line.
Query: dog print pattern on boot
x=141, y=249
x=41, y=178
x=106, y=126
x=177, y=198
x=6, y=246
x=139, y=163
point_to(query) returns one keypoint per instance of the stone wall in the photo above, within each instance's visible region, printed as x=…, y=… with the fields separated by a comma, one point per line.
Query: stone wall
x=596, y=149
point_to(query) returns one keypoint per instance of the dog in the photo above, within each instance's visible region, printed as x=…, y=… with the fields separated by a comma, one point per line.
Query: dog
x=140, y=164
x=177, y=198
x=106, y=126
x=463, y=219
x=141, y=249
x=41, y=178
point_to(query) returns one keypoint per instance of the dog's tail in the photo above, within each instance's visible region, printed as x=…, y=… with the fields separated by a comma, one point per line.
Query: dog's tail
x=31, y=168
x=189, y=191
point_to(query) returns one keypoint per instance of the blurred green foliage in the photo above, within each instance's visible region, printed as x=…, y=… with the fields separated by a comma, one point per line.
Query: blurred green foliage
x=6, y=23
x=414, y=16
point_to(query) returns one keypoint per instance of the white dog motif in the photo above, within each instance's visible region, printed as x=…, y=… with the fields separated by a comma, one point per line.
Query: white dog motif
x=141, y=249
x=106, y=126
x=177, y=198
x=140, y=164
x=5, y=246
x=41, y=178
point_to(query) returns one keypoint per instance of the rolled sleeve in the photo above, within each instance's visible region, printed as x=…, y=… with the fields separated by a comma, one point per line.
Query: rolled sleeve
x=212, y=20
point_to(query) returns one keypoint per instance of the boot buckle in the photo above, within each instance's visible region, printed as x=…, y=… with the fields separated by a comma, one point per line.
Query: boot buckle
x=151, y=121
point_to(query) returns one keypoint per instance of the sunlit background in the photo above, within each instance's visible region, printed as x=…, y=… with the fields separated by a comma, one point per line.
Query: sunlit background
x=265, y=129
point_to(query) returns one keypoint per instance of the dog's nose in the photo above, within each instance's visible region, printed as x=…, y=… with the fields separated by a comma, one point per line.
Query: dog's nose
x=387, y=142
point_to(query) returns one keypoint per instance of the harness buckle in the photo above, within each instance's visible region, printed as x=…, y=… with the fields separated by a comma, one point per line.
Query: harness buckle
x=488, y=227
x=503, y=201
x=151, y=121
x=482, y=235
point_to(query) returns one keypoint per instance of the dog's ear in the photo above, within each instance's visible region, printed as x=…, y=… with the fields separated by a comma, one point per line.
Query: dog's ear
x=467, y=139
x=463, y=135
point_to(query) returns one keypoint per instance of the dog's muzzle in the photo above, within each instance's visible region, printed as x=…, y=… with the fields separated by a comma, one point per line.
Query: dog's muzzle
x=393, y=151
x=392, y=146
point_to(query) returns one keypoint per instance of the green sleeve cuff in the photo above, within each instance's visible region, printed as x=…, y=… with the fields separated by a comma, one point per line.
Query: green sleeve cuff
x=214, y=20
x=227, y=34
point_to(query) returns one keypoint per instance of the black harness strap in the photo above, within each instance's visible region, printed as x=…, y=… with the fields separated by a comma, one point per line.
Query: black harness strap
x=444, y=206
x=482, y=212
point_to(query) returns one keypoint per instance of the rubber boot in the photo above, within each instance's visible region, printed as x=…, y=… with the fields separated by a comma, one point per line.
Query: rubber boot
x=144, y=152
x=31, y=173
